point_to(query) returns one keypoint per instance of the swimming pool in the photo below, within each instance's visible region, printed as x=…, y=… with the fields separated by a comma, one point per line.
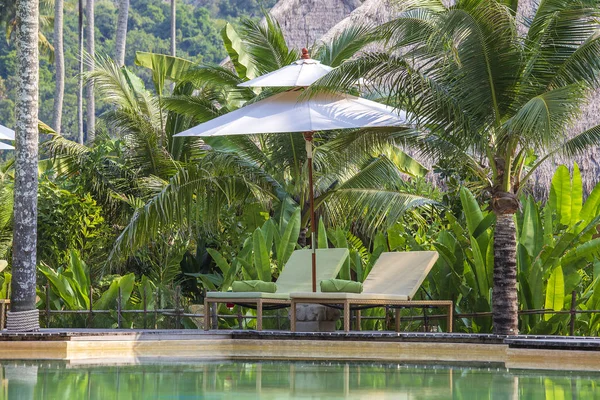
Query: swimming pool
x=285, y=380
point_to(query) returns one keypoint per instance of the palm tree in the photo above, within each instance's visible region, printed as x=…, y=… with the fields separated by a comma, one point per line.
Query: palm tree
x=8, y=16
x=359, y=181
x=59, y=63
x=491, y=97
x=24, y=315
x=173, y=27
x=180, y=183
x=80, y=75
x=121, y=39
x=91, y=50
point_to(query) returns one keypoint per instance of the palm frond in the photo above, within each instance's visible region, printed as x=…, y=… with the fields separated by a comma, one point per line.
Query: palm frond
x=266, y=44
x=344, y=45
x=194, y=195
x=543, y=120
x=581, y=142
x=218, y=78
x=372, y=198
x=554, y=42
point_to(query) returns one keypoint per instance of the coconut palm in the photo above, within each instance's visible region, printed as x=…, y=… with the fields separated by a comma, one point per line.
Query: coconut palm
x=357, y=183
x=174, y=28
x=23, y=297
x=59, y=64
x=91, y=51
x=121, y=39
x=490, y=96
x=181, y=182
x=80, y=74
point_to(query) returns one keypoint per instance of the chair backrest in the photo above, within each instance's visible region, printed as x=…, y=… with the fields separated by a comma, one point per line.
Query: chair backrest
x=399, y=273
x=297, y=273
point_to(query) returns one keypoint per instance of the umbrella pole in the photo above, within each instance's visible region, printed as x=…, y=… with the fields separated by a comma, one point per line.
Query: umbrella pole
x=308, y=137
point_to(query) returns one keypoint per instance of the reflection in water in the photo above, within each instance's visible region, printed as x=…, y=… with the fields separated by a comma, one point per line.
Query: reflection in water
x=282, y=380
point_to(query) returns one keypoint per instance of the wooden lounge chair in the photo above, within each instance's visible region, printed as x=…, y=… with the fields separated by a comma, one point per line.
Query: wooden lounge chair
x=393, y=281
x=296, y=276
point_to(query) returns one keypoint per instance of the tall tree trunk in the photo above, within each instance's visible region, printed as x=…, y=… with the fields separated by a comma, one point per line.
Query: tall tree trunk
x=80, y=76
x=173, y=27
x=23, y=314
x=91, y=49
x=121, y=39
x=504, y=293
x=59, y=64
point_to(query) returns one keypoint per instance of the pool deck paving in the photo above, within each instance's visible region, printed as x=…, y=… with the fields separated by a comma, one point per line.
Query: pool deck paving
x=130, y=346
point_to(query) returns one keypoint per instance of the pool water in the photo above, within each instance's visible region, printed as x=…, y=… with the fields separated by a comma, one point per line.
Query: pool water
x=284, y=380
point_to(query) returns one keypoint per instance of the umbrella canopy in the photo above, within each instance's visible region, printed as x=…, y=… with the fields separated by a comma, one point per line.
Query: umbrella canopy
x=291, y=112
x=4, y=146
x=6, y=133
x=301, y=73
x=288, y=112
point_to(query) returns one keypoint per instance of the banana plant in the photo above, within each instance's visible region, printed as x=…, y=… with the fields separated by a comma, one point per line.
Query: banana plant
x=464, y=269
x=70, y=288
x=558, y=245
x=262, y=256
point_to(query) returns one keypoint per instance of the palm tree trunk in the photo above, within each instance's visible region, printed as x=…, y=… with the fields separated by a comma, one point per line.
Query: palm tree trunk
x=173, y=27
x=91, y=49
x=504, y=293
x=23, y=315
x=121, y=39
x=59, y=63
x=80, y=76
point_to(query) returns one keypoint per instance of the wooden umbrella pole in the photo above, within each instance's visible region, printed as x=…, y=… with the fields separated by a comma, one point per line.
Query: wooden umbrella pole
x=308, y=137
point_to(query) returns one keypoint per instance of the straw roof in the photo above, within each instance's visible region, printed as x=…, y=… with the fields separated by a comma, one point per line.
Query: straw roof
x=371, y=12
x=305, y=21
x=379, y=11
x=588, y=162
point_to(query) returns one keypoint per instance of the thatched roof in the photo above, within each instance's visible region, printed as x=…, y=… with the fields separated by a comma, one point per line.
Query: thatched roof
x=371, y=12
x=379, y=11
x=588, y=162
x=305, y=21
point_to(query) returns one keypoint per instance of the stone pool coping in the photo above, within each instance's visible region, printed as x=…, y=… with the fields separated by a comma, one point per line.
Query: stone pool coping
x=111, y=346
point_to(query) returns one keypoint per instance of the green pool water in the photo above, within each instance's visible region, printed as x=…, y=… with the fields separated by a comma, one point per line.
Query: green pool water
x=284, y=380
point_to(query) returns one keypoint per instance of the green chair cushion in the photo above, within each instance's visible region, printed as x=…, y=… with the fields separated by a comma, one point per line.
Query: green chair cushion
x=297, y=274
x=341, y=285
x=254, y=286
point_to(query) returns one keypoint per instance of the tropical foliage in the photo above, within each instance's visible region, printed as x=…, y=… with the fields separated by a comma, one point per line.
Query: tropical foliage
x=197, y=36
x=152, y=220
x=489, y=95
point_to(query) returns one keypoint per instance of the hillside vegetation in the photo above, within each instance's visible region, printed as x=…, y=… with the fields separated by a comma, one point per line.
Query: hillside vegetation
x=198, y=39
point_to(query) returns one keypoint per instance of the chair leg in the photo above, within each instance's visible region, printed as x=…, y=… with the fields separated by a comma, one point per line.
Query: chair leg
x=206, y=315
x=293, y=316
x=259, y=315
x=450, y=317
x=346, y=317
x=397, y=322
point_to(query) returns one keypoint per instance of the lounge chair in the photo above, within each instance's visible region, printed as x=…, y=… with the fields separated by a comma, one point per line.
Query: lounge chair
x=296, y=276
x=393, y=281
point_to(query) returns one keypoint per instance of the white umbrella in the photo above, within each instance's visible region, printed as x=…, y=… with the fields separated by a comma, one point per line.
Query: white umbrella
x=6, y=133
x=289, y=112
x=301, y=73
x=4, y=146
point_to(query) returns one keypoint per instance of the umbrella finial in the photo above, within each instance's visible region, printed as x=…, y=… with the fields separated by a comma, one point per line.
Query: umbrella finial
x=305, y=55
